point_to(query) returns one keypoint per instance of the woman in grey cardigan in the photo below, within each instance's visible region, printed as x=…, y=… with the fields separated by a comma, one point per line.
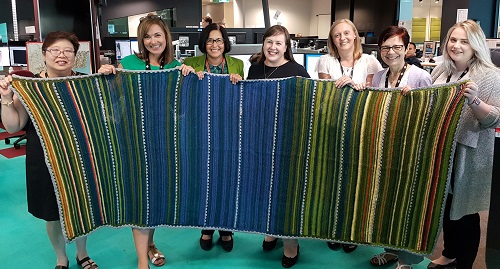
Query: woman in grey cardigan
x=466, y=56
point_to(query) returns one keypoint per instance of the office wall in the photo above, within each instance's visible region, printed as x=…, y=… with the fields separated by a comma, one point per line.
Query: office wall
x=484, y=11
x=294, y=16
x=188, y=11
x=319, y=8
x=61, y=15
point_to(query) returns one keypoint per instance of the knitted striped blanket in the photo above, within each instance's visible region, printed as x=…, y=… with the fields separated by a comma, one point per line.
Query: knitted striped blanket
x=293, y=157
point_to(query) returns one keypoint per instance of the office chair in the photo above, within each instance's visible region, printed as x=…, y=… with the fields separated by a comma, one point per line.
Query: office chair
x=22, y=73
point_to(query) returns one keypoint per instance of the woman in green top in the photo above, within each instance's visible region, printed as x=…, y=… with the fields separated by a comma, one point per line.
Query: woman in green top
x=214, y=43
x=155, y=53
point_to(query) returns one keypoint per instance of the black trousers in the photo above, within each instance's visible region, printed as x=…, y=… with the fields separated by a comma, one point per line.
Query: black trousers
x=221, y=233
x=461, y=237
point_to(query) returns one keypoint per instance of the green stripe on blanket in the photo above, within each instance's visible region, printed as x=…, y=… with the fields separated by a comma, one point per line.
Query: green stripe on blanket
x=293, y=157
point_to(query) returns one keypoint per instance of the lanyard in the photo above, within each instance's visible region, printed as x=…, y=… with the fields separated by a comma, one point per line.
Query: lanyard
x=342, y=69
x=148, y=65
x=461, y=76
x=207, y=65
x=399, y=78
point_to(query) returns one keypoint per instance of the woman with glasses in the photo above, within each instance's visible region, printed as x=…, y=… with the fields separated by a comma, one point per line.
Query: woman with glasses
x=393, y=43
x=276, y=61
x=346, y=64
x=214, y=43
x=58, y=50
x=155, y=53
x=466, y=56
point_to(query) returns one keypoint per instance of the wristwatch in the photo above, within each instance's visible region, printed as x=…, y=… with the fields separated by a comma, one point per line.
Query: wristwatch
x=476, y=101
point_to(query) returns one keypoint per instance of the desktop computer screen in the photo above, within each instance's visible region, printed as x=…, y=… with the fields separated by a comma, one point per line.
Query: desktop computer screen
x=18, y=56
x=4, y=56
x=122, y=49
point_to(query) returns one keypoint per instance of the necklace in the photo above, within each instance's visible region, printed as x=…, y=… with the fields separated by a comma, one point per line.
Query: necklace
x=222, y=64
x=401, y=74
x=148, y=65
x=342, y=69
x=268, y=76
x=461, y=76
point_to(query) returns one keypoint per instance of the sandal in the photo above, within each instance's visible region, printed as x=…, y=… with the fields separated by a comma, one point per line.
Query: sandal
x=403, y=266
x=155, y=256
x=87, y=263
x=384, y=258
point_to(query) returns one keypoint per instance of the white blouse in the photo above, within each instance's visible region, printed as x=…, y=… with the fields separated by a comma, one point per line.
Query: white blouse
x=364, y=66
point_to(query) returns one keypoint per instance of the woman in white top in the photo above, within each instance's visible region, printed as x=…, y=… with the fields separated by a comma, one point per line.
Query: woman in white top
x=346, y=62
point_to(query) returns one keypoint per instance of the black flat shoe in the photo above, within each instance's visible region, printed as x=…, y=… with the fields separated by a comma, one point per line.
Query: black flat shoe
x=227, y=245
x=269, y=245
x=62, y=266
x=450, y=265
x=333, y=245
x=289, y=262
x=205, y=244
x=348, y=248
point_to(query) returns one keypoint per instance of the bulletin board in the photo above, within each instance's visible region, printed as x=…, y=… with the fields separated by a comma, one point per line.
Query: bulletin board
x=83, y=62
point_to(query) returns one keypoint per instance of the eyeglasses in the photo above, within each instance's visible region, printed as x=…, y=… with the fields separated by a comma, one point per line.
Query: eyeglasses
x=394, y=48
x=57, y=52
x=219, y=41
x=150, y=17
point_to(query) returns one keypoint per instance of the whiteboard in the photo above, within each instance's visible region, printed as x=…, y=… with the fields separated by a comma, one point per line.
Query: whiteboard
x=323, y=25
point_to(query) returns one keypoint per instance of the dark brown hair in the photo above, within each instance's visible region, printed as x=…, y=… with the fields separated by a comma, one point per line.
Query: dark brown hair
x=206, y=33
x=277, y=30
x=53, y=37
x=394, y=31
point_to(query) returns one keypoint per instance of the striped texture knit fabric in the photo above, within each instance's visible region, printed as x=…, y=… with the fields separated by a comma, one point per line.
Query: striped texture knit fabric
x=293, y=157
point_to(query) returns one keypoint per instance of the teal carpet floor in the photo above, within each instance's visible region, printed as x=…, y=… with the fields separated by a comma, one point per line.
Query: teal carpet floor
x=24, y=242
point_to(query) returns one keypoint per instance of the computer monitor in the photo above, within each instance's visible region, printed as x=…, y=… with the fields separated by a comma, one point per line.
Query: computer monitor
x=311, y=60
x=134, y=46
x=18, y=56
x=241, y=37
x=4, y=56
x=495, y=56
x=122, y=49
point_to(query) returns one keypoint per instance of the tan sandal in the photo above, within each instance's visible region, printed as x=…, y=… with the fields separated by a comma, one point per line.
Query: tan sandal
x=384, y=258
x=155, y=256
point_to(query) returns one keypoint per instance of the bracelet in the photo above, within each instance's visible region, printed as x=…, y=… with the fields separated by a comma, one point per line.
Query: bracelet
x=8, y=103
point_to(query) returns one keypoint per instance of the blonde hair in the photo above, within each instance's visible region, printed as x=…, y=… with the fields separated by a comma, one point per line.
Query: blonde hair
x=332, y=49
x=477, y=40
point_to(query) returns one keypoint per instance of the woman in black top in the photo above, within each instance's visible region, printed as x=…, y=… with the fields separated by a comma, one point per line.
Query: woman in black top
x=59, y=52
x=277, y=61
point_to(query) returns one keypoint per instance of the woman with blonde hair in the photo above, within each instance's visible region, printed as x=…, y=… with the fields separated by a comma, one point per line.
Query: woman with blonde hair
x=346, y=64
x=345, y=61
x=467, y=56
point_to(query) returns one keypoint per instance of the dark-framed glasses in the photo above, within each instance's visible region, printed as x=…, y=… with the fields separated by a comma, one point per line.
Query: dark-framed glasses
x=219, y=41
x=394, y=48
x=57, y=52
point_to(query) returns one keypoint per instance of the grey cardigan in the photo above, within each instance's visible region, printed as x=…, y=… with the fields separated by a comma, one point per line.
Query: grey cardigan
x=475, y=143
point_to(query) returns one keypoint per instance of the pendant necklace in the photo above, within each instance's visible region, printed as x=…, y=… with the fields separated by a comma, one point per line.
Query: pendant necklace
x=342, y=69
x=268, y=76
